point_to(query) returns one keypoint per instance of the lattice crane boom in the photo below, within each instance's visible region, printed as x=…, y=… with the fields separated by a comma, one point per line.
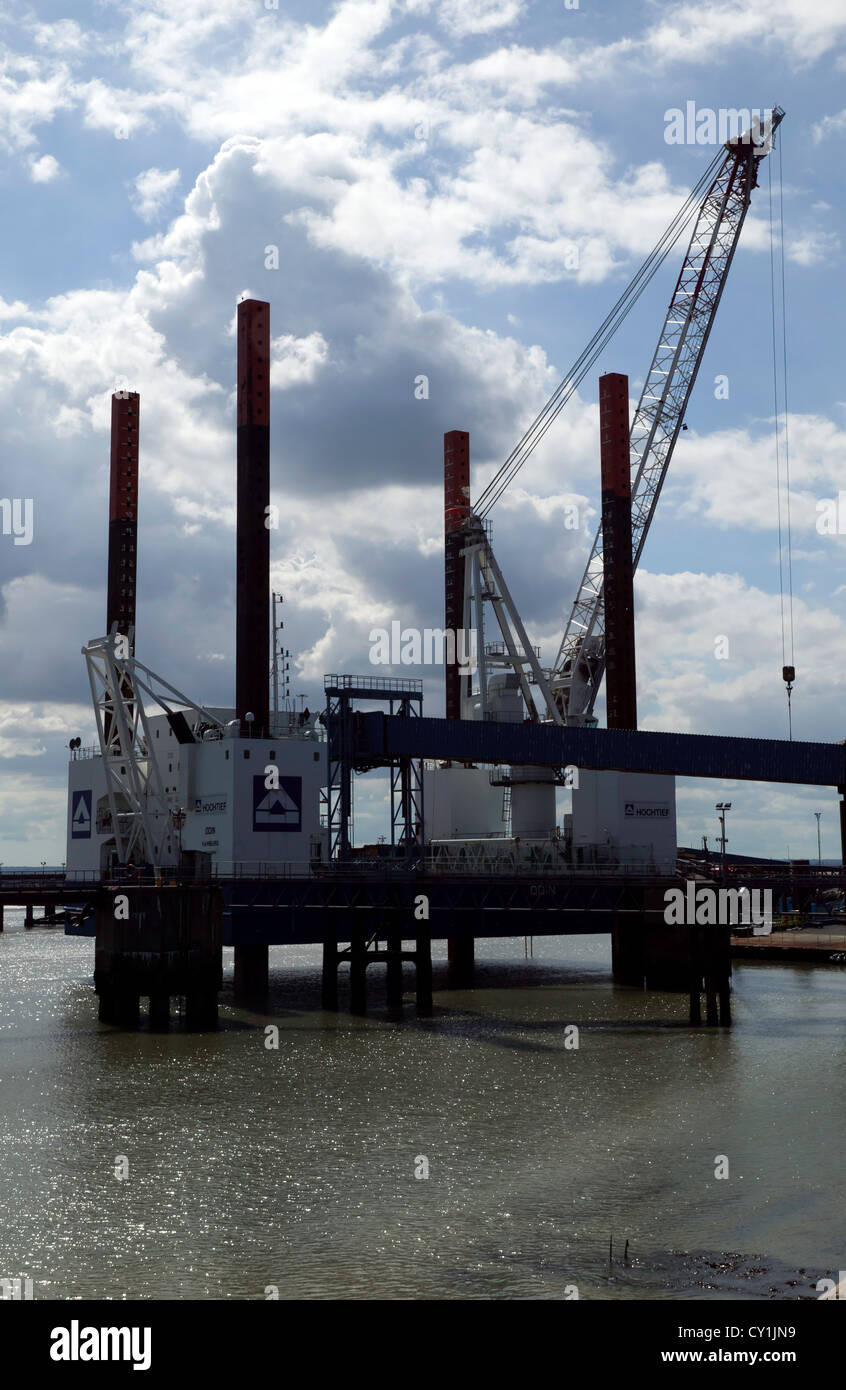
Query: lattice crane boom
x=579, y=666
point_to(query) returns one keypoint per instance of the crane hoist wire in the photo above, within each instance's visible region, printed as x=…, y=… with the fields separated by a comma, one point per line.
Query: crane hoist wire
x=779, y=329
x=559, y=398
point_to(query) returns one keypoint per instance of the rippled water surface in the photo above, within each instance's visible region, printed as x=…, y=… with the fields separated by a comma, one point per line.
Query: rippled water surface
x=250, y=1167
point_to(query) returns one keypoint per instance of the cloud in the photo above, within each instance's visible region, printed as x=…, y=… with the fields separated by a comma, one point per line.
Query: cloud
x=153, y=189
x=813, y=247
x=31, y=93
x=702, y=32
x=689, y=687
x=297, y=361
x=728, y=477
x=45, y=169
x=482, y=17
x=830, y=125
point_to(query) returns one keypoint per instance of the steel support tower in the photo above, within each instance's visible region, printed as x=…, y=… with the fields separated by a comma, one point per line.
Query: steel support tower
x=404, y=699
x=456, y=512
x=618, y=569
x=123, y=516
x=252, y=694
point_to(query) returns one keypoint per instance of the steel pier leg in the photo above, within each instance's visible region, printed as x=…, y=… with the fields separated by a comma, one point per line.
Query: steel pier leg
x=330, y=974
x=394, y=945
x=358, y=975
x=424, y=972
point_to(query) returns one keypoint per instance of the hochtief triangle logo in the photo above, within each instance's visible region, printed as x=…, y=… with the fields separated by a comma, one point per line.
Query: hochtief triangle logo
x=281, y=807
x=81, y=816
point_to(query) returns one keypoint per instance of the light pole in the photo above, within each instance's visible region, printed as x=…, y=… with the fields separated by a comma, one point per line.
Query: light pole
x=722, y=807
x=819, y=844
x=277, y=627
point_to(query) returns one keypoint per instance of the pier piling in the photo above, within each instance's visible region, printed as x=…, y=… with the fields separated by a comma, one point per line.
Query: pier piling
x=330, y=974
x=394, y=965
x=251, y=974
x=168, y=946
x=461, y=953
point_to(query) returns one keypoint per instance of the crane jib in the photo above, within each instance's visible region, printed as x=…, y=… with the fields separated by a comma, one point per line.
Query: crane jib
x=578, y=670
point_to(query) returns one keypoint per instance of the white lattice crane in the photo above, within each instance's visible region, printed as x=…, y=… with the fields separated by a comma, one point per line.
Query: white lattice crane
x=723, y=194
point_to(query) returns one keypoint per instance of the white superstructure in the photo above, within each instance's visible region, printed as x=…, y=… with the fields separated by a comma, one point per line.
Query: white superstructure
x=223, y=790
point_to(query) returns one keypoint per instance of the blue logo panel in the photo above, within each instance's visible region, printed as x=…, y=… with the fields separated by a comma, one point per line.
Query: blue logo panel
x=278, y=808
x=81, y=816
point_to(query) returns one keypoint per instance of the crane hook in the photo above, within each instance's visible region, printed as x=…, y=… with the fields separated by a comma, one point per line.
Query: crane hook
x=788, y=675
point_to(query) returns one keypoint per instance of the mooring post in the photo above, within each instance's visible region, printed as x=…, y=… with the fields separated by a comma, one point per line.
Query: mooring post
x=423, y=958
x=330, y=974
x=358, y=974
x=394, y=964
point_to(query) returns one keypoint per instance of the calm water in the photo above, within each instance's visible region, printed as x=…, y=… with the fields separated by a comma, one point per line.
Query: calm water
x=295, y=1168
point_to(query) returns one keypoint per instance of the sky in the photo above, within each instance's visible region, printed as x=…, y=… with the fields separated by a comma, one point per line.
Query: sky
x=431, y=188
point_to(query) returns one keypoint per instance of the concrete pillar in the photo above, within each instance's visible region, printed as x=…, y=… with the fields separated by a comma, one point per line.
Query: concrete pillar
x=251, y=973
x=50, y=911
x=28, y=918
x=461, y=951
x=1, y=916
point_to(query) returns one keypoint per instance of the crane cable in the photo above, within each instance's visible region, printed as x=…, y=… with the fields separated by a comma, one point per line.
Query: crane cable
x=566, y=388
x=788, y=668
